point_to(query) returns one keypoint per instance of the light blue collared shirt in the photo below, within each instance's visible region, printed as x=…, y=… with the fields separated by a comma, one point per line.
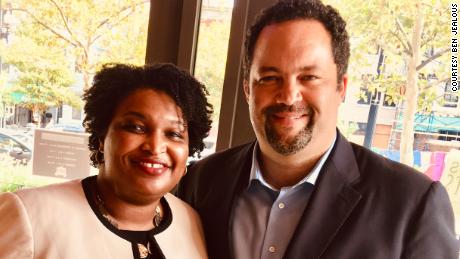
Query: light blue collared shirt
x=265, y=217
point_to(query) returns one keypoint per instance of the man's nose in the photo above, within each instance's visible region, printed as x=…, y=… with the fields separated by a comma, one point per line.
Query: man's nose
x=289, y=92
x=154, y=143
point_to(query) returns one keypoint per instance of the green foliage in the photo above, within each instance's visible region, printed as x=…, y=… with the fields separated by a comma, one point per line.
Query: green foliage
x=44, y=77
x=53, y=41
x=347, y=128
x=90, y=32
x=427, y=97
x=388, y=24
x=16, y=175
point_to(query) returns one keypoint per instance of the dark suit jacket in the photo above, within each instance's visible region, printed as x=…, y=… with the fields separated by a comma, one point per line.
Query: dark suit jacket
x=363, y=206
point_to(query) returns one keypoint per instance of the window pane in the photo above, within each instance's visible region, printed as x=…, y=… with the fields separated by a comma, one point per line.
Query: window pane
x=378, y=48
x=211, y=58
x=49, y=52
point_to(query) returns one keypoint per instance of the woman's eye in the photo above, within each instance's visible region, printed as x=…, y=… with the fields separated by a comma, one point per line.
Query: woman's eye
x=136, y=128
x=175, y=135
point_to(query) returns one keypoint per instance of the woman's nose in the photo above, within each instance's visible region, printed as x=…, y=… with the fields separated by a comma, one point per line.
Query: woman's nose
x=154, y=143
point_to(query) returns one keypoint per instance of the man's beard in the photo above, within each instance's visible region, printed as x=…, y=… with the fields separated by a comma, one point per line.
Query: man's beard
x=300, y=140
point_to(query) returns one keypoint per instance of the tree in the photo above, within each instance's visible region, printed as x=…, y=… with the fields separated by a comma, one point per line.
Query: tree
x=412, y=92
x=53, y=43
x=44, y=77
x=414, y=36
x=90, y=32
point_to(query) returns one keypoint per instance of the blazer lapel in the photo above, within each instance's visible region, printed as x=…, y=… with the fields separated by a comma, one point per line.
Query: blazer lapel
x=331, y=203
x=212, y=188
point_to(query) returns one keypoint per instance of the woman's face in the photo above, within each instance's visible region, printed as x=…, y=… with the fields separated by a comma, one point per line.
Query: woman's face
x=146, y=147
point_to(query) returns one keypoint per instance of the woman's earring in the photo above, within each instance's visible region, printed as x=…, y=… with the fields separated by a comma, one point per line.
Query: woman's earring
x=100, y=155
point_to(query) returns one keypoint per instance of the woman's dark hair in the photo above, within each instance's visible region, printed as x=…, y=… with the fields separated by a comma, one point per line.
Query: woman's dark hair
x=288, y=10
x=114, y=82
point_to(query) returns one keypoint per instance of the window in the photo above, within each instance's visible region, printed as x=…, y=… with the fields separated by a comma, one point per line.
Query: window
x=49, y=52
x=214, y=32
x=450, y=98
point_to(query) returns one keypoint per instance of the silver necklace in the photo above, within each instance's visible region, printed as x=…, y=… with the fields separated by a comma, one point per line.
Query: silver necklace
x=144, y=251
x=101, y=206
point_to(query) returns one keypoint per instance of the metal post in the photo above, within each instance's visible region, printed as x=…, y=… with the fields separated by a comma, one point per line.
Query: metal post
x=371, y=122
x=373, y=109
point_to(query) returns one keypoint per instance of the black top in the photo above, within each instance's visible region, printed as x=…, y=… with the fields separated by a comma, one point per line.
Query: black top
x=137, y=238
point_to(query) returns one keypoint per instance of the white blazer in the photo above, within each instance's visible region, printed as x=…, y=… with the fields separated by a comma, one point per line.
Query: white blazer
x=56, y=222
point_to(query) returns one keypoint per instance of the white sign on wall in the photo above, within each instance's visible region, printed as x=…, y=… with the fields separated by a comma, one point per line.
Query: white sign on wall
x=60, y=154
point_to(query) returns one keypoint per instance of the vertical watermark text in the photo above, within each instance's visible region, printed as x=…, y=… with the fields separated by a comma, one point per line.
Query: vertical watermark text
x=454, y=47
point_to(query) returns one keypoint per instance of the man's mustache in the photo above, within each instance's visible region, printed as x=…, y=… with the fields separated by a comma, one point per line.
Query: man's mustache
x=295, y=108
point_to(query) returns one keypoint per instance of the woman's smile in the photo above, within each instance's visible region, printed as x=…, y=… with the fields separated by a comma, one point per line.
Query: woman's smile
x=153, y=167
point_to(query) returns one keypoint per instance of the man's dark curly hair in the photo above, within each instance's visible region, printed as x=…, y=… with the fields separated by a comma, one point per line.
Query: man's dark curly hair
x=288, y=10
x=114, y=82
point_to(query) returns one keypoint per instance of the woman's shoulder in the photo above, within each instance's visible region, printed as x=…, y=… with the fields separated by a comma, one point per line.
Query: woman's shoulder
x=180, y=208
x=185, y=229
x=62, y=187
x=48, y=200
x=59, y=193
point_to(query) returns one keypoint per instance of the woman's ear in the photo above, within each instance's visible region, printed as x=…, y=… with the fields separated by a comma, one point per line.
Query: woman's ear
x=101, y=146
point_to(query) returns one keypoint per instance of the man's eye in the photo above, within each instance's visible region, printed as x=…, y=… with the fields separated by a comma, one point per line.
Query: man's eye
x=268, y=80
x=308, y=77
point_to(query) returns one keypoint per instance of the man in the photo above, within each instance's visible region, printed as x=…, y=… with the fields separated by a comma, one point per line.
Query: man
x=302, y=190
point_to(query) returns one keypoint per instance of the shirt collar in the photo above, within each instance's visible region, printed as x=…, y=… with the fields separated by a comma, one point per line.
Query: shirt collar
x=311, y=177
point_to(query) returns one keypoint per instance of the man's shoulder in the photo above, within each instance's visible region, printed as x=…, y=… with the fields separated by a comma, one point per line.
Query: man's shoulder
x=235, y=155
x=381, y=170
x=216, y=172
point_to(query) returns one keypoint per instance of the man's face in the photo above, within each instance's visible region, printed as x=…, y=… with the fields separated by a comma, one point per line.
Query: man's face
x=293, y=91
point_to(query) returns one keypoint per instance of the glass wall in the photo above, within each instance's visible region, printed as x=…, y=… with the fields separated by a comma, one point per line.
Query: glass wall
x=214, y=32
x=417, y=124
x=49, y=51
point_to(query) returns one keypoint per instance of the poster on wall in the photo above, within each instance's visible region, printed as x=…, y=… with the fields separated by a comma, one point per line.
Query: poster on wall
x=451, y=180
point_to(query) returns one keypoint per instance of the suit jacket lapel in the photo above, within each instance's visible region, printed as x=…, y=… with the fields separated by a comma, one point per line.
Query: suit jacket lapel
x=332, y=201
x=212, y=188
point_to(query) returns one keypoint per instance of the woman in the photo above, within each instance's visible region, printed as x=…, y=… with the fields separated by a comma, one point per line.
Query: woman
x=143, y=122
